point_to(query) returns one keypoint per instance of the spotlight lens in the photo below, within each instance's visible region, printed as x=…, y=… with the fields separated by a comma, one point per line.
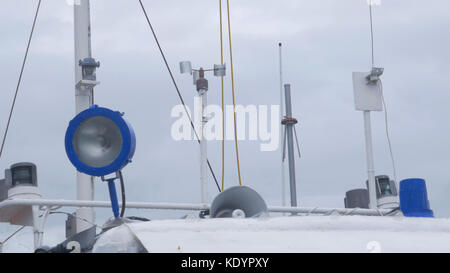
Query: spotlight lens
x=97, y=141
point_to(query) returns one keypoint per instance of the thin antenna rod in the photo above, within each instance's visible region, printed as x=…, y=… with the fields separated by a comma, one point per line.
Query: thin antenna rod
x=282, y=131
x=371, y=33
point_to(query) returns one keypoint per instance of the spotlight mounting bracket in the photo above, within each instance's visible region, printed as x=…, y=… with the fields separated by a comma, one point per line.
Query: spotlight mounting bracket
x=113, y=193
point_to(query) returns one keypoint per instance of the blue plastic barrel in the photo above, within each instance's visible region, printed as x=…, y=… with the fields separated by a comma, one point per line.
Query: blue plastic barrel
x=414, y=198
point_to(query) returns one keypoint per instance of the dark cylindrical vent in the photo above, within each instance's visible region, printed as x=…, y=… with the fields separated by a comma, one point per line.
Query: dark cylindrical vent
x=358, y=198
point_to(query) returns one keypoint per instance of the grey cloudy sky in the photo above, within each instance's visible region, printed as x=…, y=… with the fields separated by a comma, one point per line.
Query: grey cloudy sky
x=324, y=42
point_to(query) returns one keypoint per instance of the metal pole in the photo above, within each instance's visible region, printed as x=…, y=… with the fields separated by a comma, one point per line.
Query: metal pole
x=202, y=89
x=203, y=150
x=283, y=166
x=370, y=164
x=290, y=138
x=37, y=233
x=83, y=100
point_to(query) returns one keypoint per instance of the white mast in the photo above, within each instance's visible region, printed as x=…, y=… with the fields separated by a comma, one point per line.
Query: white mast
x=368, y=97
x=373, y=79
x=370, y=164
x=83, y=100
x=200, y=117
x=202, y=89
x=203, y=148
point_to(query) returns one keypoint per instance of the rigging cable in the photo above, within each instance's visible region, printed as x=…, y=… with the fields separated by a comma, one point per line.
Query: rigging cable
x=176, y=86
x=298, y=145
x=20, y=78
x=76, y=217
x=234, y=99
x=12, y=235
x=223, y=102
x=380, y=86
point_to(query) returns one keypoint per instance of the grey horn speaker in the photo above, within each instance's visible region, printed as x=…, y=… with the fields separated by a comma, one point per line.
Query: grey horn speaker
x=238, y=202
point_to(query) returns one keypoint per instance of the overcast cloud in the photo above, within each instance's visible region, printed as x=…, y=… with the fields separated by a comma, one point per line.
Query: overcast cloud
x=324, y=42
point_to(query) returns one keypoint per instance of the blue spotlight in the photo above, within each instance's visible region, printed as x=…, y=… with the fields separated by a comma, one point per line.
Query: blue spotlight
x=100, y=142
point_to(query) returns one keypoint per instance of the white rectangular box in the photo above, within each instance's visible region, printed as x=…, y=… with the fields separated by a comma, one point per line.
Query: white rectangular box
x=367, y=96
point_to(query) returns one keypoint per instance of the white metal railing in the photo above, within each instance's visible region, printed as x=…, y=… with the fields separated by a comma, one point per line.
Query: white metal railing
x=183, y=206
x=53, y=204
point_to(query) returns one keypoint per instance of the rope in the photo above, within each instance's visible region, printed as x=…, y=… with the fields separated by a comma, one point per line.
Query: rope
x=20, y=78
x=234, y=98
x=176, y=86
x=223, y=100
